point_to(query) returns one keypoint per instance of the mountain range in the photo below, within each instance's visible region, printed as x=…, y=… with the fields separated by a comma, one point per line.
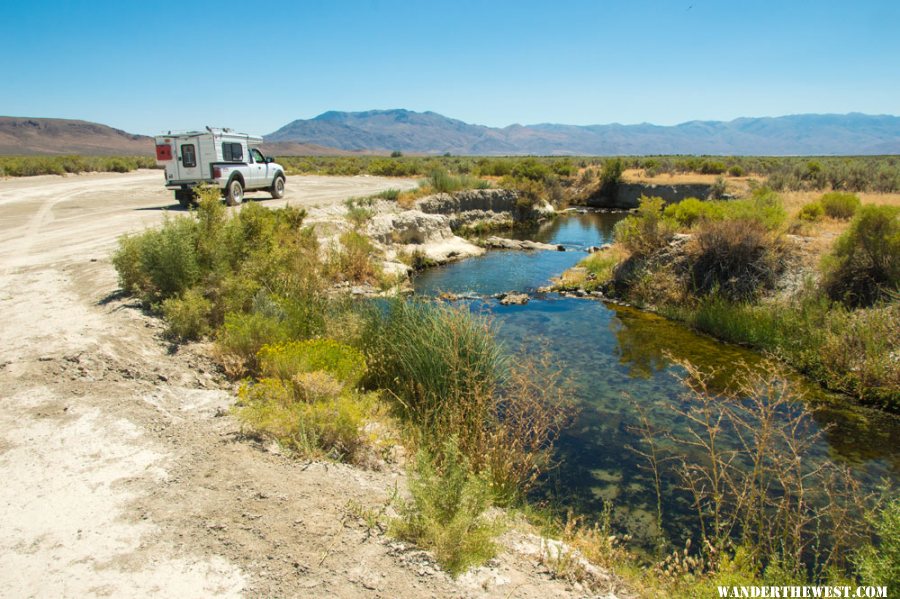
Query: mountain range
x=385, y=131
x=432, y=133
x=22, y=135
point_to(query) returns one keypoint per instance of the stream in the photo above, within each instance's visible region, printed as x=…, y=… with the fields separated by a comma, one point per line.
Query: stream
x=617, y=356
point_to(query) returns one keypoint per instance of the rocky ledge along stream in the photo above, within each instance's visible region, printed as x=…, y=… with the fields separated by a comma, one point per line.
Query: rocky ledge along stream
x=430, y=227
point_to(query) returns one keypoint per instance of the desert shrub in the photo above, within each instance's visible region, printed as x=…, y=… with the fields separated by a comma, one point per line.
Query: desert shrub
x=243, y=335
x=864, y=266
x=318, y=421
x=688, y=211
x=26, y=166
x=879, y=565
x=611, y=172
x=396, y=167
x=887, y=180
x=127, y=262
x=564, y=168
x=812, y=211
x=643, y=233
x=187, y=316
x=389, y=194
x=712, y=167
x=763, y=205
x=164, y=262
x=530, y=168
x=718, y=189
x=736, y=258
x=359, y=216
x=736, y=171
x=169, y=258
x=416, y=259
x=287, y=360
x=446, y=513
x=839, y=205
x=530, y=192
x=493, y=167
x=356, y=259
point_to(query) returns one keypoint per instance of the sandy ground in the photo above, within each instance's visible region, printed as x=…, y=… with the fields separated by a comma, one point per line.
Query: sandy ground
x=122, y=473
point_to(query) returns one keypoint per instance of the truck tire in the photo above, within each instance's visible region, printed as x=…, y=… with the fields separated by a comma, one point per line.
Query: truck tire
x=185, y=197
x=234, y=192
x=277, y=189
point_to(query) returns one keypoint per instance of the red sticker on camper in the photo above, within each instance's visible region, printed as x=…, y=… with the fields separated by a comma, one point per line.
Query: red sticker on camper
x=164, y=152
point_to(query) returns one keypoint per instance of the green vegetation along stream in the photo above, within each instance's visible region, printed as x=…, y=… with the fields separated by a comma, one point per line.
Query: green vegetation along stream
x=617, y=357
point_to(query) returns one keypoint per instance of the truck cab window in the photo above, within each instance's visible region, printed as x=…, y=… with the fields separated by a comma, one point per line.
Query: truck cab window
x=188, y=156
x=232, y=152
x=257, y=156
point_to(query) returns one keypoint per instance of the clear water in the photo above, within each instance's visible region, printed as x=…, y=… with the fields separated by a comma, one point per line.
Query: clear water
x=615, y=356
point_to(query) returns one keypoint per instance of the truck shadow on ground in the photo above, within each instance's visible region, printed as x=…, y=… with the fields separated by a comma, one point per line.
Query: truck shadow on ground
x=175, y=207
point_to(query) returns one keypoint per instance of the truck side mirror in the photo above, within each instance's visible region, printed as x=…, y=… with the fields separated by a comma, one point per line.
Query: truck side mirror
x=269, y=160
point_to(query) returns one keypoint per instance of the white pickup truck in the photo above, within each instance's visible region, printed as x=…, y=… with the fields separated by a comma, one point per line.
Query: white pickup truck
x=231, y=161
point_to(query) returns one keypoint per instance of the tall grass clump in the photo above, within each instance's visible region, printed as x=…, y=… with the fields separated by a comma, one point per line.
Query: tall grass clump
x=440, y=362
x=443, y=182
x=446, y=513
x=448, y=377
x=848, y=350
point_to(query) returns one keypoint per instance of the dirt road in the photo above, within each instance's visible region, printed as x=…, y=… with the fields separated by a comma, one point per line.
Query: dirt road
x=122, y=473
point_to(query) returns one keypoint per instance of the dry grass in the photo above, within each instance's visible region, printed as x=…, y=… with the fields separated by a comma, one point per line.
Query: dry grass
x=794, y=200
x=821, y=234
x=636, y=175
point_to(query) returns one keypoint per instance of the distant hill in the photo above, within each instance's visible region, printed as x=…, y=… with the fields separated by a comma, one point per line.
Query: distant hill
x=22, y=135
x=432, y=133
x=292, y=148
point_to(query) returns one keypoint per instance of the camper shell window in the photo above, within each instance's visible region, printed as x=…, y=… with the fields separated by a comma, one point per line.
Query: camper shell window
x=188, y=156
x=232, y=152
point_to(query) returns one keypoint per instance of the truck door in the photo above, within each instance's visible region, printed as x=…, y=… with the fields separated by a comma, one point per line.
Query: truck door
x=258, y=169
x=187, y=155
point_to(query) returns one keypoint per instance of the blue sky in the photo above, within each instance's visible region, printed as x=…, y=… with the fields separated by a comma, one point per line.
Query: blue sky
x=256, y=65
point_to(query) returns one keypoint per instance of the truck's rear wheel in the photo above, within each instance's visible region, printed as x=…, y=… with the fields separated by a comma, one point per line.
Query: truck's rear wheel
x=234, y=193
x=277, y=188
x=185, y=197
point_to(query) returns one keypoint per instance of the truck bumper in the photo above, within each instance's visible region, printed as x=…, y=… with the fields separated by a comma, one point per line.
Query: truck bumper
x=185, y=185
